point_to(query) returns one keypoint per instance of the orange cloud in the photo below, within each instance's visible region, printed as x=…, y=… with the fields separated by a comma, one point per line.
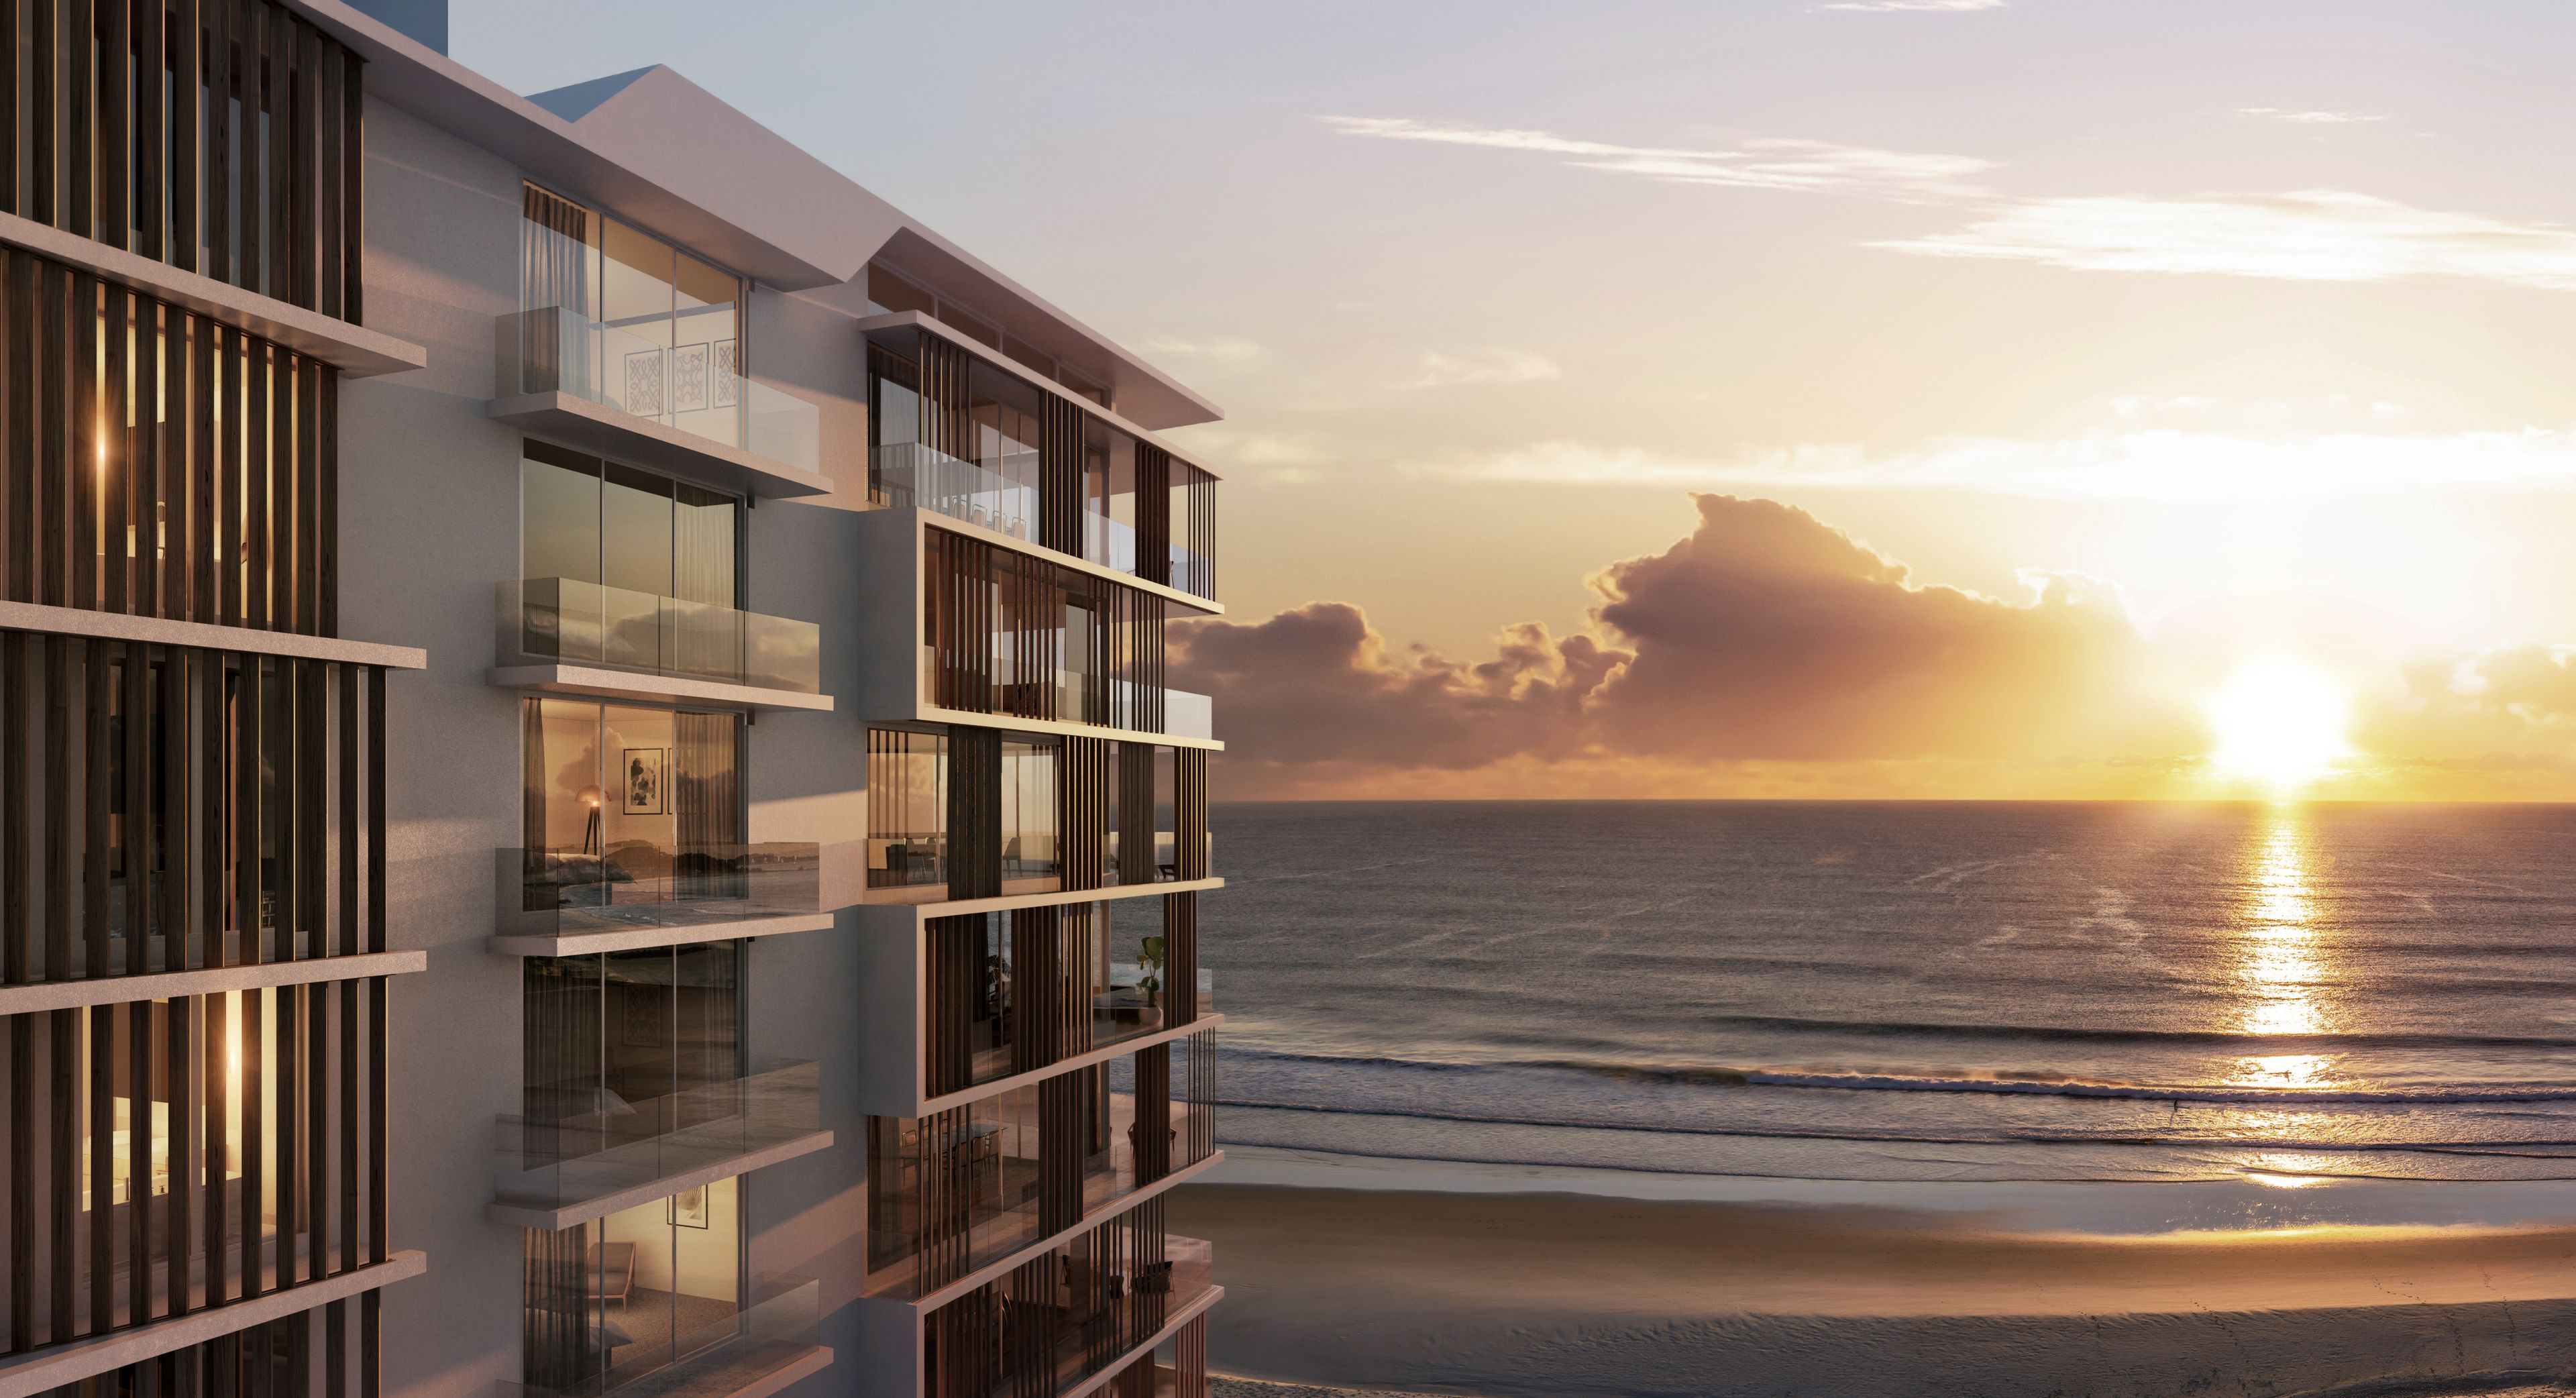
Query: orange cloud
x=1765, y=637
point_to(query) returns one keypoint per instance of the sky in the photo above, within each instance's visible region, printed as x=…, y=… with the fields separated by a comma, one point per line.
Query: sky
x=1772, y=398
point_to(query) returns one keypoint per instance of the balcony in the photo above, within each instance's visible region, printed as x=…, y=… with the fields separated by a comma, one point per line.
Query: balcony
x=1065, y=699
x=581, y=637
x=912, y=868
x=911, y=475
x=1130, y=1004
x=1165, y=866
x=967, y=1192
x=1089, y=1317
x=759, y=1349
x=563, y=902
x=554, y=1174
x=1135, y=1003
x=686, y=409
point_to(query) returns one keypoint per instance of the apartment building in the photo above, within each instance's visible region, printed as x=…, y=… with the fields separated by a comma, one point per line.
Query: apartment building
x=588, y=801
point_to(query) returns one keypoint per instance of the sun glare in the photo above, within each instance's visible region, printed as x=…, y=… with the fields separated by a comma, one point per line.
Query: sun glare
x=2280, y=723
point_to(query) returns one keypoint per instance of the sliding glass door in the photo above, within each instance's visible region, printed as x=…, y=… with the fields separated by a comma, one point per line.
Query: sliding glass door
x=630, y=805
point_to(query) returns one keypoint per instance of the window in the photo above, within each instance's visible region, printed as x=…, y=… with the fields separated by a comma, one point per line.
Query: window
x=1029, y=814
x=611, y=1301
x=907, y=809
x=614, y=314
x=625, y=805
x=590, y=521
x=618, y=1048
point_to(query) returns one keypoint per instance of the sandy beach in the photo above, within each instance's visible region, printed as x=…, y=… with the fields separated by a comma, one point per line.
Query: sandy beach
x=1569, y=1295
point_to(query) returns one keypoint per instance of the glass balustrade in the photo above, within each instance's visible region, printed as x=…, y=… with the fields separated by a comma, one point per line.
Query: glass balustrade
x=1095, y=1310
x=1135, y=1002
x=909, y=474
x=961, y=1189
x=1108, y=542
x=652, y=883
x=561, y=620
x=1193, y=573
x=717, y=1357
x=1163, y=868
x=1187, y=715
x=623, y=1145
x=695, y=388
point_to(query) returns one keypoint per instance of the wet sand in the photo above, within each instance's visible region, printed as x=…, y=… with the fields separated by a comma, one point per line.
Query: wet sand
x=1563, y=1295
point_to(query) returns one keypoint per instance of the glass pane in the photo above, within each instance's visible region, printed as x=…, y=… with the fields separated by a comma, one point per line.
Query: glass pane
x=706, y=1254
x=639, y=826
x=563, y=778
x=706, y=807
x=703, y=530
x=560, y=1046
x=635, y=303
x=1002, y=416
x=558, y=514
x=710, y=1030
x=632, y=1274
x=559, y=277
x=560, y=259
x=638, y=1032
x=907, y=808
x=1028, y=810
x=707, y=371
x=635, y=543
x=895, y=412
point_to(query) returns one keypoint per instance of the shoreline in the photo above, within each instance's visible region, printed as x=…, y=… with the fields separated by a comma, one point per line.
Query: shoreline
x=1507, y=1282
x=2085, y=1207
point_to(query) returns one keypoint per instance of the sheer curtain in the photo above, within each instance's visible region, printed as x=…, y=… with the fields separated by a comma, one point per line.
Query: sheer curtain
x=555, y=282
x=707, y=795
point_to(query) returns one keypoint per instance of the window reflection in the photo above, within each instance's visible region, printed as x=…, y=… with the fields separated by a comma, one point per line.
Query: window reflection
x=626, y=804
x=907, y=809
x=612, y=313
x=611, y=1301
x=604, y=522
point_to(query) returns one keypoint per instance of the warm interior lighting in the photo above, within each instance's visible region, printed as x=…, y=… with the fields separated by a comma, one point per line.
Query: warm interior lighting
x=2280, y=723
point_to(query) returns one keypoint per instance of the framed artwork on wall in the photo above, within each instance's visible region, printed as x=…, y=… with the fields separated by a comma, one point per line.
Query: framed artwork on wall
x=689, y=378
x=726, y=372
x=644, y=781
x=644, y=382
x=641, y=1021
x=689, y=1207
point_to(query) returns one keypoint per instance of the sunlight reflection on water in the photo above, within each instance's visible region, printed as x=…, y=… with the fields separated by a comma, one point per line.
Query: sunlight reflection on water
x=2280, y=960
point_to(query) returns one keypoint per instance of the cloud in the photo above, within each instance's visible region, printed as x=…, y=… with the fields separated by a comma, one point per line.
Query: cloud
x=2311, y=118
x=1317, y=687
x=2509, y=709
x=2313, y=235
x=1217, y=351
x=1765, y=636
x=2147, y=464
x=1940, y=6
x=1768, y=634
x=1764, y=163
x=1491, y=366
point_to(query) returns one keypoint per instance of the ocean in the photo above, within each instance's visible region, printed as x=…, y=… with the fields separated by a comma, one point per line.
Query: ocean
x=1904, y=992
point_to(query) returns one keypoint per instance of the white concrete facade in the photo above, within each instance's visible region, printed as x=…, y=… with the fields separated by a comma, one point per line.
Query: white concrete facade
x=430, y=523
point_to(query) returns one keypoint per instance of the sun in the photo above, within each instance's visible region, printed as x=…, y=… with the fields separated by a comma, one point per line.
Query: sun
x=2280, y=723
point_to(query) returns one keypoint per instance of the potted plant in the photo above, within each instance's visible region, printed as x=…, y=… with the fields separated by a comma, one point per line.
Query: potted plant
x=1149, y=958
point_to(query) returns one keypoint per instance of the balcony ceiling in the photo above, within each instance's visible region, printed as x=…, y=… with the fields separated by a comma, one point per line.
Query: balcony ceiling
x=607, y=431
